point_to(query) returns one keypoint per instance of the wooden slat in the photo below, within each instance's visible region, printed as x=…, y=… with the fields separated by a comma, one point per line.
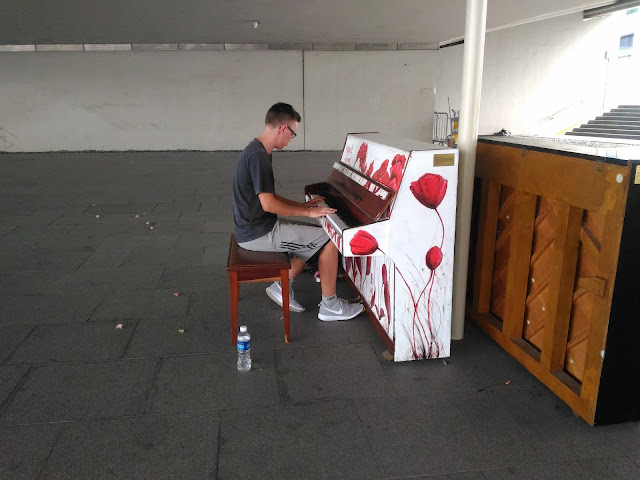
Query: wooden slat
x=501, y=257
x=519, y=259
x=607, y=267
x=580, y=322
x=561, y=282
x=485, y=248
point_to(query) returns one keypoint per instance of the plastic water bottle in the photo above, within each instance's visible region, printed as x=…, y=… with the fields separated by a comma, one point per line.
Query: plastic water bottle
x=244, y=350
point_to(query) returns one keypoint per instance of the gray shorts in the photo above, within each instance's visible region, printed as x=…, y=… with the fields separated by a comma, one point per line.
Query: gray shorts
x=299, y=239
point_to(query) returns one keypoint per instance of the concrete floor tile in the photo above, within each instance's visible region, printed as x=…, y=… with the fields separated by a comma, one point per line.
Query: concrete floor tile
x=319, y=440
x=333, y=371
x=207, y=276
x=123, y=278
x=151, y=447
x=204, y=382
x=127, y=304
x=87, y=342
x=159, y=337
x=441, y=433
x=10, y=338
x=9, y=379
x=39, y=309
x=165, y=256
x=556, y=432
x=37, y=260
x=616, y=468
x=25, y=449
x=71, y=392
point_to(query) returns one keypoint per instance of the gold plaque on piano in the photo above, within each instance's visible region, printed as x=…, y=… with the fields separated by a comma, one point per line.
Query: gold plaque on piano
x=444, y=159
x=637, y=179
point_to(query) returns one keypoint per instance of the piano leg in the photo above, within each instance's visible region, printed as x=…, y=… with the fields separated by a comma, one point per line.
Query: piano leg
x=234, y=295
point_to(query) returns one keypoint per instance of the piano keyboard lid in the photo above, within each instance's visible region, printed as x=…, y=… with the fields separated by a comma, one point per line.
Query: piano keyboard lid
x=371, y=197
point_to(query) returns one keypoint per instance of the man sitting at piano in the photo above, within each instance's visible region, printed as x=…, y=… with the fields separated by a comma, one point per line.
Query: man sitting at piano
x=256, y=207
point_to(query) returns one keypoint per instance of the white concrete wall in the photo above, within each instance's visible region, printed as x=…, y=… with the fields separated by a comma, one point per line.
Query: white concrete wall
x=207, y=100
x=389, y=92
x=531, y=72
x=141, y=100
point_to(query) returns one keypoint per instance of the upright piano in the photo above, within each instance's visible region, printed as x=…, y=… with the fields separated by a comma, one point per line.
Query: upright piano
x=395, y=228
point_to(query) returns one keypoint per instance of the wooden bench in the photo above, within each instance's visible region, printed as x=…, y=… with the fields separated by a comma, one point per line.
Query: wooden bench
x=248, y=266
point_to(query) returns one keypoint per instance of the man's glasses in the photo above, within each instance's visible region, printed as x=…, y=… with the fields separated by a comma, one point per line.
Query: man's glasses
x=293, y=134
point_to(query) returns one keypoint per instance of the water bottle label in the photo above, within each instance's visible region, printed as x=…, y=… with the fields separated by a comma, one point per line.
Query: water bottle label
x=243, y=346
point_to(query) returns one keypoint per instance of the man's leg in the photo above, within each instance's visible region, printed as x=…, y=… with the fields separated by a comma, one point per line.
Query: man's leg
x=328, y=268
x=297, y=266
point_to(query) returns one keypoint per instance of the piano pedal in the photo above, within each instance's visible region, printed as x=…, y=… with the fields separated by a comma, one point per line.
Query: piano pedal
x=356, y=299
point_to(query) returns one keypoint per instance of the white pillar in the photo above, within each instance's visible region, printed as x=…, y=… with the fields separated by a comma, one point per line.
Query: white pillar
x=474, y=32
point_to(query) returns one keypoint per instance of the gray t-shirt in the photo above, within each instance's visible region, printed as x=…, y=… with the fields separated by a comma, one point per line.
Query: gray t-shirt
x=252, y=174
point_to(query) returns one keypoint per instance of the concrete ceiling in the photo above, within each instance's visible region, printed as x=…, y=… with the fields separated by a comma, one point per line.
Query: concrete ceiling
x=282, y=21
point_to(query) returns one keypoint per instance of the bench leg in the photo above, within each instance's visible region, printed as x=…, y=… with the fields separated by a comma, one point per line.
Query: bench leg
x=284, y=280
x=234, y=294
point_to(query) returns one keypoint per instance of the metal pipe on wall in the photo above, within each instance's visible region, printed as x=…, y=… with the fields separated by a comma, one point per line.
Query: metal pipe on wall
x=473, y=60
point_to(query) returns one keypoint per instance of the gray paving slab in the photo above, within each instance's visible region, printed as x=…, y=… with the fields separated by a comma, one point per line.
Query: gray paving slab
x=102, y=258
x=83, y=391
x=441, y=432
x=556, y=432
x=88, y=342
x=4, y=230
x=38, y=260
x=475, y=475
x=127, y=304
x=123, y=278
x=215, y=255
x=181, y=276
x=616, y=468
x=65, y=307
x=25, y=449
x=332, y=371
x=167, y=336
x=135, y=208
x=140, y=242
x=205, y=382
x=191, y=240
x=10, y=337
x=165, y=256
x=143, y=447
x=317, y=440
x=70, y=242
x=9, y=379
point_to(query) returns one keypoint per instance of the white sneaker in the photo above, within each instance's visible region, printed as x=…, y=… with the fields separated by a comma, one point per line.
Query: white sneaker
x=275, y=293
x=341, y=310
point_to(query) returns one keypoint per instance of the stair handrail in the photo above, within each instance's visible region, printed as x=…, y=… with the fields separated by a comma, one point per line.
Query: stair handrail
x=552, y=116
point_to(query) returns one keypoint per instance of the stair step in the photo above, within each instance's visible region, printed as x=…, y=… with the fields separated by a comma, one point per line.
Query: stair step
x=626, y=111
x=608, y=122
x=630, y=107
x=604, y=135
x=621, y=116
x=609, y=127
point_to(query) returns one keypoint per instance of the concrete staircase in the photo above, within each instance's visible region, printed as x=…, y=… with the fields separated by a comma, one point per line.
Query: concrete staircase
x=621, y=123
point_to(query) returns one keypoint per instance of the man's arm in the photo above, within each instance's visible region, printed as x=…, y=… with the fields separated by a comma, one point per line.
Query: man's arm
x=273, y=203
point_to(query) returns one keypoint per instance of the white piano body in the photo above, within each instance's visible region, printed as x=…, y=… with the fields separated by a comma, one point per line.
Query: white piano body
x=395, y=227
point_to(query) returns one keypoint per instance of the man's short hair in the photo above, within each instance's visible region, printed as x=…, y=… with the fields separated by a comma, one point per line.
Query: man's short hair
x=281, y=114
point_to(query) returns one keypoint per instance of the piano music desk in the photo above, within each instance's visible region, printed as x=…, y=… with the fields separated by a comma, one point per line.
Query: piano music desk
x=248, y=266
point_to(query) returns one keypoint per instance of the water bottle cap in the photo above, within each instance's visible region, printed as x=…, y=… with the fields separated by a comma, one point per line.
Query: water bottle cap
x=243, y=328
